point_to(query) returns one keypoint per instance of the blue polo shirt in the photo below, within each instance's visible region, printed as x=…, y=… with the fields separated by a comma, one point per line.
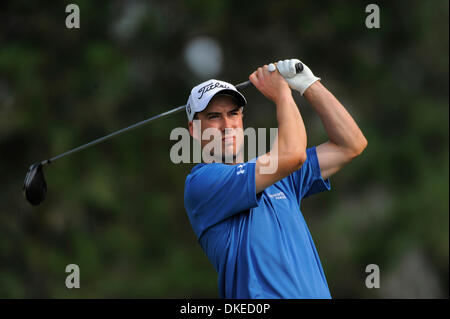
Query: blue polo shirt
x=259, y=244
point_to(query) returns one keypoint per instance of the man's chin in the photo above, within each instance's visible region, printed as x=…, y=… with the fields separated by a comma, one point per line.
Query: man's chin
x=229, y=151
x=230, y=155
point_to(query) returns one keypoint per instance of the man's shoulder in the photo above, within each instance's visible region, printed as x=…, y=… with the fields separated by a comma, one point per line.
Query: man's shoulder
x=202, y=173
x=207, y=174
x=213, y=169
x=200, y=169
x=196, y=169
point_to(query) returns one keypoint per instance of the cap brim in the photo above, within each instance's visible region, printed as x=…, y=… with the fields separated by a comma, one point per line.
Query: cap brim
x=241, y=101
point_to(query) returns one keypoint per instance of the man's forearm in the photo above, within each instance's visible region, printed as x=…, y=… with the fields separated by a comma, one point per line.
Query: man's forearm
x=341, y=129
x=291, y=129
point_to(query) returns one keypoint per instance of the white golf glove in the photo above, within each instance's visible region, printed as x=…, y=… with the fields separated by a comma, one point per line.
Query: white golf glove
x=297, y=81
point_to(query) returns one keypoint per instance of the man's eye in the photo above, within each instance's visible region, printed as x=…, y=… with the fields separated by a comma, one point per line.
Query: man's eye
x=212, y=116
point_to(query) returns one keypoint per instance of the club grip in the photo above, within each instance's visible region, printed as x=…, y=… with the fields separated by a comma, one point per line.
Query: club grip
x=298, y=67
x=243, y=85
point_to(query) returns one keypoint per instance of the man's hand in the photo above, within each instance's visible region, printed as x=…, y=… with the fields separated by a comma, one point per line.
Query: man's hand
x=297, y=81
x=271, y=84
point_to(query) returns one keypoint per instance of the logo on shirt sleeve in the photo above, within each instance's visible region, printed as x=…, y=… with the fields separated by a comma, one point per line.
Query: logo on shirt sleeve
x=240, y=169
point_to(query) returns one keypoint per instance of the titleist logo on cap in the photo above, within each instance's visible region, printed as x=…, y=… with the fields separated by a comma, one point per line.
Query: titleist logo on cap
x=211, y=86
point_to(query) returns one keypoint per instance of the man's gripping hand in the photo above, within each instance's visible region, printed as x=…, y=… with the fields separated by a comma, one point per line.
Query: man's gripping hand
x=297, y=81
x=271, y=84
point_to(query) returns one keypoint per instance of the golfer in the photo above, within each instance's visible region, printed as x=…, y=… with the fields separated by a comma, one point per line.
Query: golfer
x=248, y=218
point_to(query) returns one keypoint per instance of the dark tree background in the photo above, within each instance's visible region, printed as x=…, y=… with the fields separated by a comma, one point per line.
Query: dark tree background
x=117, y=211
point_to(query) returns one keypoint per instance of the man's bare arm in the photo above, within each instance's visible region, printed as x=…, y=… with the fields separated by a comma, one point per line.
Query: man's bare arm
x=346, y=141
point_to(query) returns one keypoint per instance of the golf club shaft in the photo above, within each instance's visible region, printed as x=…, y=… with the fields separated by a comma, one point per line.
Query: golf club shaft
x=126, y=129
x=114, y=134
x=299, y=68
x=243, y=85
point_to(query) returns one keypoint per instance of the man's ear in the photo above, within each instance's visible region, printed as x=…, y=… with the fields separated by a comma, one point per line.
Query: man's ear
x=195, y=129
x=190, y=128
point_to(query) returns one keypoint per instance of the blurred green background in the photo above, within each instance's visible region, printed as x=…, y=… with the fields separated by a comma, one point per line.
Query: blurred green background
x=117, y=210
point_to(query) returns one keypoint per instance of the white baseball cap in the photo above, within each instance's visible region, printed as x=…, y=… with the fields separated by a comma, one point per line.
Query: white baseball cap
x=202, y=94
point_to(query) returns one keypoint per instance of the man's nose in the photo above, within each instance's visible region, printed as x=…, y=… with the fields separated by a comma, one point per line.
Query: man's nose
x=226, y=123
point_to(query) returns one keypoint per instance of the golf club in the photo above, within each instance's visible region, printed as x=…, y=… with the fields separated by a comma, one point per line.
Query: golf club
x=35, y=188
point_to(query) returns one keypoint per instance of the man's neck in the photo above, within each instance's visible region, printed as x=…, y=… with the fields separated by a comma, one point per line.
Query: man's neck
x=235, y=159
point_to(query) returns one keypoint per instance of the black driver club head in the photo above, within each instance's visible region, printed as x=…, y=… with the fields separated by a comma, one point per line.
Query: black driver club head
x=34, y=187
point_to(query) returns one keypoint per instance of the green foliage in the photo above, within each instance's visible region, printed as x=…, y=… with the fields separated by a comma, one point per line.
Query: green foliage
x=117, y=209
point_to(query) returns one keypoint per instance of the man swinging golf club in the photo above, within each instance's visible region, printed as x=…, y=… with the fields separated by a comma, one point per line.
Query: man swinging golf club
x=249, y=222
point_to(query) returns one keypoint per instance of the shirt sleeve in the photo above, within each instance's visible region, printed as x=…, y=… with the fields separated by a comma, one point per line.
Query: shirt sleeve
x=217, y=191
x=308, y=180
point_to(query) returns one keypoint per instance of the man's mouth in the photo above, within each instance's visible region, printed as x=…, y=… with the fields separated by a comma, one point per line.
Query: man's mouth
x=229, y=139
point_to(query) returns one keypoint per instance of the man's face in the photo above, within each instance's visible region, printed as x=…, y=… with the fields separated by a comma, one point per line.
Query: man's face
x=225, y=116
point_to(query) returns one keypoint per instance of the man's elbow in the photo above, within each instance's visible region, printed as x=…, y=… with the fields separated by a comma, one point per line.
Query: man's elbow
x=302, y=157
x=359, y=147
x=298, y=159
x=292, y=161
